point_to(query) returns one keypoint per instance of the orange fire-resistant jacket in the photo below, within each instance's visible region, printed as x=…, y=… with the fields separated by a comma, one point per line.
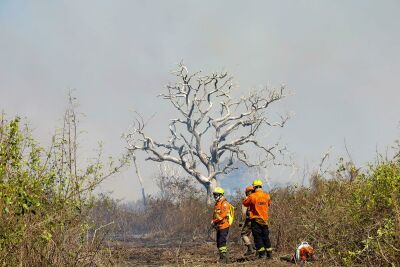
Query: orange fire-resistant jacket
x=221, y=210
x=258, y=204
x=306, y=253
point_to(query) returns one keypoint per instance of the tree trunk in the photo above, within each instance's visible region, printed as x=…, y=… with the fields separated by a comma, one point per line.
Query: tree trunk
x=144, y=198
x=210, y=188
x=140, y=180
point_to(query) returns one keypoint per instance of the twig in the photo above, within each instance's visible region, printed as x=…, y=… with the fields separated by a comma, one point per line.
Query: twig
x=95, y=231
x=178, y=250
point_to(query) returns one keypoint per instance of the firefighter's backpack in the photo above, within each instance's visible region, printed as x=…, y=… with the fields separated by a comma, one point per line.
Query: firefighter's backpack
x=231, y=214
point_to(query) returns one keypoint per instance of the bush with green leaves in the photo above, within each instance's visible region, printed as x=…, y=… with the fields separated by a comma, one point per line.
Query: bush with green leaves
x=45, y=198
x=350, y=219
x=376, y=207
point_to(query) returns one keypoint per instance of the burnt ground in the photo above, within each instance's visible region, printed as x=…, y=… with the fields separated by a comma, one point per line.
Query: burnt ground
x=177, y=253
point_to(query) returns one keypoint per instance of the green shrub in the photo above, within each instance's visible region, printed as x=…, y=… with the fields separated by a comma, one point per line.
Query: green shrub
x=350, y=221
x=45, y=198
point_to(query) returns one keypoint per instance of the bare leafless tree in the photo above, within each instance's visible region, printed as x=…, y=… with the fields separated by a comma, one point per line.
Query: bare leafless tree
x=213, y=129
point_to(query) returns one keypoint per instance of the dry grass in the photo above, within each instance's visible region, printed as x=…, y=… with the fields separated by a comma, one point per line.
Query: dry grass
x=348, y=221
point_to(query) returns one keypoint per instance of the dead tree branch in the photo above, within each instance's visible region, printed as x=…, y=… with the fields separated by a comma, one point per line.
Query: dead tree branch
x=212, y=125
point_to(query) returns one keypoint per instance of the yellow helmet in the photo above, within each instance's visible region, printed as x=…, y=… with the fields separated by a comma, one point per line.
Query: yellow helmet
x=257, y=182
x=218, y=190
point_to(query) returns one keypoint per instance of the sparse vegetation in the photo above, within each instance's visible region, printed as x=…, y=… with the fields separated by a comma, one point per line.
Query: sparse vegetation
x=350, y=220
x=50, y=216
x=45, y=199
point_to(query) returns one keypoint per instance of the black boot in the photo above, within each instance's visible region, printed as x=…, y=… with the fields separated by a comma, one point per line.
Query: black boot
x=250, y=250
x=269, y=254
x=262, y=254
x=223, y=257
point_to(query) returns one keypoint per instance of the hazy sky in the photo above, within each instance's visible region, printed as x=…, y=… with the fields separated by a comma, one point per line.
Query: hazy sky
x=340, y=58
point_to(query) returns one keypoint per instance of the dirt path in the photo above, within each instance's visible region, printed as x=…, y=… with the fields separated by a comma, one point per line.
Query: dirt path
x=150, y=253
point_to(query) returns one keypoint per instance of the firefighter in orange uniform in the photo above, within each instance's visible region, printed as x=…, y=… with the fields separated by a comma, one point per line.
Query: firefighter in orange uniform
x=221, y=222
x=304, y=253
x=258, y=204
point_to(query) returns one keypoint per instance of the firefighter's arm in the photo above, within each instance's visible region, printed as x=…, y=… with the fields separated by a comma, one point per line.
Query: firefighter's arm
x=216, y=220
x=247, y=201
x=217, y=216
x=224, y=210
x=221, y=214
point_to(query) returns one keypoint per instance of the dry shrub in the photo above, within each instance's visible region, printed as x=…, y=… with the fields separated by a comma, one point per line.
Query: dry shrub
x=45, y=199
x=349, y=221
x=177, y=212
